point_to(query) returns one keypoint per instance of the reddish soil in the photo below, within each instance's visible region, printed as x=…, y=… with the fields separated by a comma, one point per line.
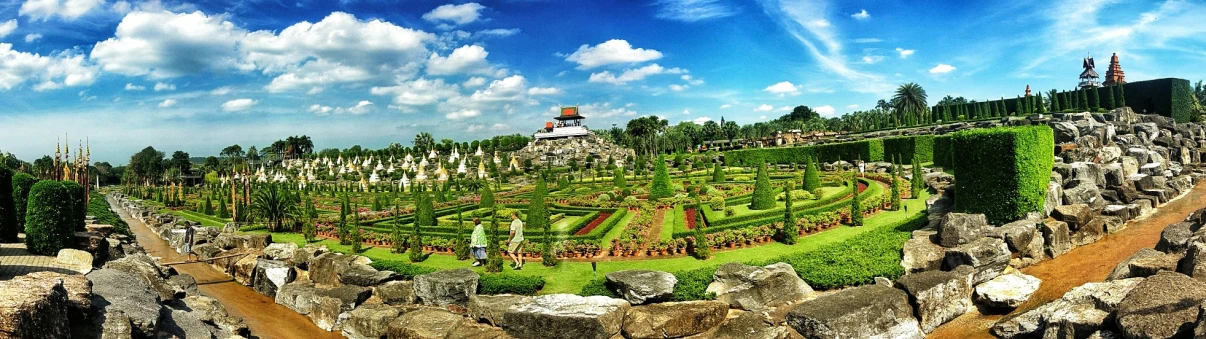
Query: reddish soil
x=593, y=223
x=264, y=317
x=1085, y=264
x=655, y=231
x=690, y=215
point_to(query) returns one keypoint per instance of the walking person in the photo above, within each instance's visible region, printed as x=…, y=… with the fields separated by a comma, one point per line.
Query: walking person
x=477, y=243
x=188, y=241
x=515, y=241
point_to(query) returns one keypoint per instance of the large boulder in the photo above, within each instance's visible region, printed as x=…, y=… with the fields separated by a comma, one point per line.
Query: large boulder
x=447, y=287
x=243, y=271
x=115, y=290
x=1068, y=310
x=210, y=311
x=32, y=307
x=988, y=256
x=365, y=275
x=1123, y=269
x=79, y=292
x=491, y=308
x=303, y=296
x=939, y=296
x=1075, y=215
x=1090, y=232
x=959, y=228
x=870, y=311
x=270, y=275
x=426, y=324
x=1057, y=237
x=1148, y=266
x=750, y=287
x=198, y=317
x=673, y=320
x=326, y=268
x=1007, y=291
x=920, y=254
x=396, y=293
x=1194, y=263
x=145, y=268
x=368, y=321
x=1083, y=193
x=280, y=251
x=1055, y=197
x=642, y=286
x=1023, y=237
x=566, y=316
x=750, y=325
x=1175, y=237
x=1164, y=305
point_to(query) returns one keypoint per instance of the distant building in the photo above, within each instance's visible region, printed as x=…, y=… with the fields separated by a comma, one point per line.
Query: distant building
x=1114, y=75
x=569, y=124
x=1088, y=77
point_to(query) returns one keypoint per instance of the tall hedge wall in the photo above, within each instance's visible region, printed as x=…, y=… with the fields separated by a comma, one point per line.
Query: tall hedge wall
x=8, y=215
x=78, y=207
x=904, y=149
x=22, y=183
x=866, y=150
x=1003, y=172
x=49, y=218
x=1169, y=97
x=943, y=153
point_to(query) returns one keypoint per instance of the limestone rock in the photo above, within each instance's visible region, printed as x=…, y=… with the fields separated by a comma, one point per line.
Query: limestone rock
x=1194, y=263
x=396, y=293
x=673, y=320
x=115, y=290
x=1090, y=232
x=425, y=324
x=365, y=275
x=79, y=292
x=210, y=311
x=183, y=285
x=282, y=251
x=492, y=308
x=1076, y=321
x=32, y=307
x=1104, y=297
x=750, y=287
x=1123, y=269
x=1148, y=266
x=1175, y=237
x=1007, y=291
x=566, y=316
x=80, y=260
x=1023, y=237
x=870, y=311
x=144, y=267
x=469, y=329
x=1162, y=306
x=244, y=270
x=1057, y=237
x=749, y=325
x=920, y=254
x=368, y=321
x=939, y=296
x=447, y=287
x=642, y=286
x=270, y=275
x=959, y=228
x=988, y=256
x=1075, y=215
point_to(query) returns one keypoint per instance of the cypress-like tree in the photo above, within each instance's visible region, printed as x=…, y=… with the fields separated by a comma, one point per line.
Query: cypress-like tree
x=764, y=194
x=1094, y=99
x=895, y=198
x=789, y=230
x=357, y=237
x=1120, y=98
x=1084, y=100
x=462, y=245
x=209, y=206
x=812, y=176
x=22, y=183
x=8, y=213
x=1038, y=102
x=856, y=211
x=1055, y=105
x=619, y=181
x=717, y=173
x=1109, y=102
x=703, y=250
x=397, y=239
x=494, y=259
x=946, y=113
x=487, y=199
x=424, y=217
x=660, y=188
x=342, y=230
x=917, y=183
x=538, y=218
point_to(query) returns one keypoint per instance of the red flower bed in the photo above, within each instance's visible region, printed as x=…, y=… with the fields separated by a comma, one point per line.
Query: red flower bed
x=690, y=212
x=861, y=187
x=593, y=223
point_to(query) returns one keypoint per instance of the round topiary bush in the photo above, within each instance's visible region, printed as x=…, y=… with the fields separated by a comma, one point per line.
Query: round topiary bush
x=717, y=203
x=22, y=183
x=764, y=195
x=8, y=216
x=49, y=221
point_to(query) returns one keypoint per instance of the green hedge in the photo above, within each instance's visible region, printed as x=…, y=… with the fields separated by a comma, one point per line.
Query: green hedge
x=407, y=270
x=78, y=207
x=504, y=283
x=1169, y=97
x=22, y=183
x=866, y=150
x=1003, y=172
x=904, y=149
x=49, y=218
x=765, y=218
x=99, y=208
x=943, y=152
x=8, y=214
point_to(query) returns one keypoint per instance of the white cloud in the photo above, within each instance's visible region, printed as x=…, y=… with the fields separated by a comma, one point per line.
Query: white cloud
x=461, y=114
x=499, y=126
x=457, y=14
x=691, y=81
x=613, y=51
x=32, y=37
x=49, y=72
x=133, y=87
x=805, y=21
x=543, y=91
x=601, y=110
x=418, y=92
x=321, y=110
x=67, y=9
x=678, y=88
x=701, y=120
x=852, y=106
x=164, y=45
x=764, y=108
x=686, y=111
x=782, y=88
x=224, y=90
x=630, y=75
x=474, y=82
x=725, y=106
x=904, y=53
x=867, y=40
x=692, y=10
x=239, y=105
x=863, y=15
x=762, y=117
x=871, y=59
x=825, y=110
x=362, y=107
x=8, y=27
x=464, y=59
x=497, y=32
x=941, y=69
x=167, y=103
x=161, y=86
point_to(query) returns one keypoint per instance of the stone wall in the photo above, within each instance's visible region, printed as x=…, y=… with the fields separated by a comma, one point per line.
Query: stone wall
x=559, y=152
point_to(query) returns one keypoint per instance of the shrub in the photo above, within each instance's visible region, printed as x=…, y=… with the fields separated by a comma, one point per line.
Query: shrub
x=660, y=188
x=764, y=193
x=22, y=183
x=693, y=284
x=78, y=208
x=943, y=153
x=856, y=215
x=99, y=208
x=405, y=270
x=855, y=261
x=717, y=173
x=789, y=220
x=597, y=286
x=812, y=176
x=905, y=149
x=8, y=215
x=728, y=212
x=49, y=218
x=702, y=249
x=1003, y=172
x=509, y=284
x=716, y=203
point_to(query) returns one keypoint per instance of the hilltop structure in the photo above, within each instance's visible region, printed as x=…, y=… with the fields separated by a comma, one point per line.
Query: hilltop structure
x=566, y=141
x=568, y=125
x=1088, y=77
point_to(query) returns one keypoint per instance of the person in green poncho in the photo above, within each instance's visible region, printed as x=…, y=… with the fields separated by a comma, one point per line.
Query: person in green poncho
x=477, y=243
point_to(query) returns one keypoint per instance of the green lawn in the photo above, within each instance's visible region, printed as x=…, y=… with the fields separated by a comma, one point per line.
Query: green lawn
x=564, y=224
x=616, y=230
x=205, y=220
x=569, y=277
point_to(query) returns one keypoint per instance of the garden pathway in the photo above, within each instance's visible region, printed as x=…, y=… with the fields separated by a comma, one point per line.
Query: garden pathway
x=15, y=260
x=654, y=233
x=264, y=317
x=1085, y=264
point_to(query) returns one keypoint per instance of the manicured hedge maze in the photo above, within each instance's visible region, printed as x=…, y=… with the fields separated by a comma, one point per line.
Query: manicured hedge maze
x=1003, y=172
x=865, y=150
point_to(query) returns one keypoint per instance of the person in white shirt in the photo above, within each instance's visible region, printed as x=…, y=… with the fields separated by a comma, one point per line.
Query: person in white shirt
x=515, y=241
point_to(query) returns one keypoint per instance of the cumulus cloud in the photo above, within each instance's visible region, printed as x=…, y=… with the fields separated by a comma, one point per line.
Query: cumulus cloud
x=871, y=59
x=8, y=27
x=678, y=88
x=224, y=90
x=904, y=53
x=725, y=106
x=852, y=106
x=164, y=44
x=461, y=114
x=613, y=51
x=496, y=32
x=825, y=110
x=632, y=74
x=48, y=72
x=782, y=88
x=456, y=14
x=941, y=69
x=418, y=92
x=764, y=108
x=133, y=87
x=863, y=15
x=66, y=9
x=32, y=37
x=464, y=59
x=474, y=82
x=161, y=86
x=543, y=91
x=701, y=120
x=601, y=110
x=362, y=107
x=239, y=105
x=167, y=103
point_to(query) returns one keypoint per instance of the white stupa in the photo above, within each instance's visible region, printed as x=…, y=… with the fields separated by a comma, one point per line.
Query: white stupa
x=374, y=179
x=460, y=169
x=390, y=170
x=432, y=155
x=404, y=183
x=481, y=169
x=441, y=173
x=479, y=151
x=421, y=175
x=408, y=158
x=497, y=160
x=423, y=163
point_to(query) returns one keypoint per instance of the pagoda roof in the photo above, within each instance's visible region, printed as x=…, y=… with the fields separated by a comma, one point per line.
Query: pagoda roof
x=569, y=113
x=569, y=117
x=1088, y=73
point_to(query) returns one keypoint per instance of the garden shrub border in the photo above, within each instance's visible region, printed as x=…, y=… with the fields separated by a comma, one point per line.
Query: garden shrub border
x=1003, y=172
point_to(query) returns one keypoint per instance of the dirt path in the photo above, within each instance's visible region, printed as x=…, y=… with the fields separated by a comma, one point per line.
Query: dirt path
x=1089, y=263
x=264, y=317
x=654, y=233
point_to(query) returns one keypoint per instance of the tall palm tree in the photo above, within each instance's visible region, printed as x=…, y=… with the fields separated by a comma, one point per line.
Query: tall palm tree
x=910, y=102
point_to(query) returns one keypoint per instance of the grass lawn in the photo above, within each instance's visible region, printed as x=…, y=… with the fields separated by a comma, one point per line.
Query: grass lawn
x=616, y=230
x=569, y=277
x=562, y=226
x=205, y=220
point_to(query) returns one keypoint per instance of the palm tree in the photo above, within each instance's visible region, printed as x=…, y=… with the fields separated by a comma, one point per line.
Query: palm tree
x=909, y=102
x=274, y=204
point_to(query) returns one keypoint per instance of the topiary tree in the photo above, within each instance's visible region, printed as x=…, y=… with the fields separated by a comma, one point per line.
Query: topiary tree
x=538, y=218
x=356, y=237
x=1120, y=98
x=1109, y=102
x=789, y=230
x=487, y=199
x=8, y=215
x=462, y=246
x=856, y=211
x=764, y=193
x=49, y=218
x=397, y=239
x=894, y=174
x=717, y=173
x=917, y=183
x=494, y=258
x=22, y=183
x=341, y=230
x=619, y=181
x=702, y=249
x=660, y=188
x=424, y=217
x=209, y=206
x=1094, y=100
x=78, y=208
x=812, y=176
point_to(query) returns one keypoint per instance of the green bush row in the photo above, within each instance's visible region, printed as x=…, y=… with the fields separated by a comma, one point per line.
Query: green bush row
x=407, y=270
x=99, y=208
x=904, y=149
x=50, y=218
x=866, y=150
x=778, y=211
x=504, y=283
x=944, y=154
x=1169, y=97
x=1003, y=172
x=834, y=204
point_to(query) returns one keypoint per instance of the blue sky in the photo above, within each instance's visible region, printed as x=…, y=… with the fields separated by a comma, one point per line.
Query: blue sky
x=198, y=76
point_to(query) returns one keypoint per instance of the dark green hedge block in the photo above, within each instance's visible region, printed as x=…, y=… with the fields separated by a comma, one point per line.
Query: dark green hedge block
x=1002, y=172
x=865, y=150
x=8, y=213
x=22, y=183
x=1169, y=97
x=49, y=218
x=78, y=205
x=904, y=149
x=943, y=154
